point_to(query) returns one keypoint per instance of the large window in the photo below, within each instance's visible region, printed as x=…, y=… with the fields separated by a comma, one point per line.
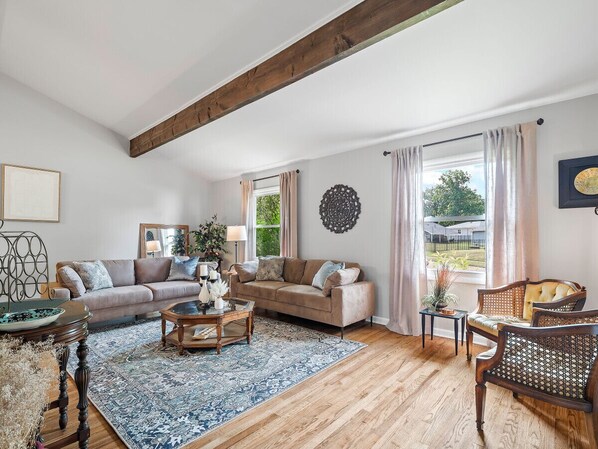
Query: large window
x=267, y=219
x=454, y=210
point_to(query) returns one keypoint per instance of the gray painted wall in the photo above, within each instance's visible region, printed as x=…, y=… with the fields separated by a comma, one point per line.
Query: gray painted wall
x=105, y=193
x=568, y=237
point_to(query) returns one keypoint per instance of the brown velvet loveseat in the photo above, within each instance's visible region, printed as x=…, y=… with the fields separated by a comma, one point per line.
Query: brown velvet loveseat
x=140, y=286
x=346, y=305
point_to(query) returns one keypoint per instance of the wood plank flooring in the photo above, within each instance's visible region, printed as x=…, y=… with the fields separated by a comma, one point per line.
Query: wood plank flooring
x=393, y=394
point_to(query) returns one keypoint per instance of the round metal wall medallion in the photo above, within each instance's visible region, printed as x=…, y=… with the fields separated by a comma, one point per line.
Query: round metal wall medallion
x=586, y=181
x=340, y=208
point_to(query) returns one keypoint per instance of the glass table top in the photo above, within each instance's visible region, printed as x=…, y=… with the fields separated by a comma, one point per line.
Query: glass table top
x=197, y=308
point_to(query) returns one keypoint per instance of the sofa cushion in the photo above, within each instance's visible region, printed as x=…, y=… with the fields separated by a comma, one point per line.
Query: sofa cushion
x=72, y=280
x=115, y=297
x=490, y=324
x=94, y=275
x=270, y=268
x=183, y=270
x=326, y=270
x=544, y=292
x=340, y=277
x=304, y=296
x=246, y=270
x=313, y=265
x=122, y=272
x=173, y=289
x=261, y=289
x=293, y=270
x=152, y=269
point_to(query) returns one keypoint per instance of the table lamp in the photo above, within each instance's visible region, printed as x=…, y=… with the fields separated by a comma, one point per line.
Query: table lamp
x=236, y=234
x=152, y=247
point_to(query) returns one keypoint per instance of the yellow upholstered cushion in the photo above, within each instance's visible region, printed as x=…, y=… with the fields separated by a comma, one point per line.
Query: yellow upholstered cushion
x=490, y=324
x=544, y=292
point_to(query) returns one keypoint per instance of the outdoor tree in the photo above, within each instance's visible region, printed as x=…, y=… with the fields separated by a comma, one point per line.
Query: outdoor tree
x=268, y=214
x=453, y=196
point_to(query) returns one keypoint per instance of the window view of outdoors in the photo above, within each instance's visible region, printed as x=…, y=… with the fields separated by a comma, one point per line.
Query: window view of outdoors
x=454, y=207
x=267, y=219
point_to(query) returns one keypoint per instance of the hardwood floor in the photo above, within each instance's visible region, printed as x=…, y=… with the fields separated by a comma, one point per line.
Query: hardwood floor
x=392, y=394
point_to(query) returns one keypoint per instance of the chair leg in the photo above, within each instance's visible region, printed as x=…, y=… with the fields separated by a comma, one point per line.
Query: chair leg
x=480, y=404
x=469, y=344
x=516, y=395
x=592, y=422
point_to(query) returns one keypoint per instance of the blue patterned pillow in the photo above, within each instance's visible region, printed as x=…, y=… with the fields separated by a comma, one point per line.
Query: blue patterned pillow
x=94, y=275
x=183, y=270
x=326, y=270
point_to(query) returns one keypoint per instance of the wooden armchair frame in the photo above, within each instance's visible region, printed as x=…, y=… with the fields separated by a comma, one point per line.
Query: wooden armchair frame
x=508, y=300
x=576, y=346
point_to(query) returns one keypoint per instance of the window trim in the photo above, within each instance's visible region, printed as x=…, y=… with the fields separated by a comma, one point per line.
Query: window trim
x=265, y=191
x=446, y=163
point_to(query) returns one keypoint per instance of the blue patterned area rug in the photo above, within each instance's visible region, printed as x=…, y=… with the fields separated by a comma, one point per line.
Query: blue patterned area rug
x=155, y=398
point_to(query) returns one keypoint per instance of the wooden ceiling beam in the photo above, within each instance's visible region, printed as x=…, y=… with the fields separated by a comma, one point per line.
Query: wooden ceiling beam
x=356, y=29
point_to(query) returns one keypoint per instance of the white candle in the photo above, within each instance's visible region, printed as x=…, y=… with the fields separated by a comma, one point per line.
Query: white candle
x=213, y=275
x=203, y=270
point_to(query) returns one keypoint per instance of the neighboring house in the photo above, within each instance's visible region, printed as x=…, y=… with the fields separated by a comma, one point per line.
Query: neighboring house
x=466, y=230
x=435, y=232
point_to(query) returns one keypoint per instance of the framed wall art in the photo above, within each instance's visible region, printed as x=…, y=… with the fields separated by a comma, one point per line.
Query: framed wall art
x=578, y=182
x=29, y=194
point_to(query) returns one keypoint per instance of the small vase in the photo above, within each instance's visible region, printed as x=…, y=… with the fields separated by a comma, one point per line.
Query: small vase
x=204, y=294
x=219, y=303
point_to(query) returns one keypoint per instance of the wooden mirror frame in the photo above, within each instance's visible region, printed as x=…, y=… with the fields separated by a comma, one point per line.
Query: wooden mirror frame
x=143, y=227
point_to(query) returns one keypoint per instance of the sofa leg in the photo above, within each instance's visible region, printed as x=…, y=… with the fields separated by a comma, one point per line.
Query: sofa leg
x=372, y=321
x=480, y=403
x=342, y=333
x=469, y=344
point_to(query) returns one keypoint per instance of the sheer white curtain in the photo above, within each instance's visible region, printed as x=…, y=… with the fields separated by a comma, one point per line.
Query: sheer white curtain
x=511, y=204
x=408, y=259
x=248, y=215
x=288, y=214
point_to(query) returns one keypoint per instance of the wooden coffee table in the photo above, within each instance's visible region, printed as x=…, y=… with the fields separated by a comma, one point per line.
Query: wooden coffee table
x=232, y=324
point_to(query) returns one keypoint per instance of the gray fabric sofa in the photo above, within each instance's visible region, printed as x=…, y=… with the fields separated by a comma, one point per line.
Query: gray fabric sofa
x=295, y=296
x=140, y=286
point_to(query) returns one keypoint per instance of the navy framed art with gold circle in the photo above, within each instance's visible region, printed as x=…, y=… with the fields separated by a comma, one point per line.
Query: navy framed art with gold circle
x=578, y=182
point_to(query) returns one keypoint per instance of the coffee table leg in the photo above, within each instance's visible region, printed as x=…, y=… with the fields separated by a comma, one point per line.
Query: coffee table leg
x=82, y=382
x=181, y=335
x=219, y=337
x=63, y=398
x=163, y=332
x=248, y=327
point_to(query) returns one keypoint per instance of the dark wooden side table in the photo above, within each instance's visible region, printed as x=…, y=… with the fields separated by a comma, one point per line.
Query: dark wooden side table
x=69, y=328
x=460, y=315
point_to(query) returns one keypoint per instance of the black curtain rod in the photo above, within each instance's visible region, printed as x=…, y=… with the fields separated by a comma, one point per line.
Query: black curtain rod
x=267, y=177
x=386, y=153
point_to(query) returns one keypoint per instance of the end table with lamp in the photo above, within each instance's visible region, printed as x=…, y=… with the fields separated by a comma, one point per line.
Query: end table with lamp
x=236, y=234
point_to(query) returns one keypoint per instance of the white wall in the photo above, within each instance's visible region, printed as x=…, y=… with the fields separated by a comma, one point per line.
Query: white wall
x=568, y=237
x=105, y=193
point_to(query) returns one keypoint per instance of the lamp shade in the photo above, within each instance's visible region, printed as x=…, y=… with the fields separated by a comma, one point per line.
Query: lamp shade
x=236, y=233
x=153, y=246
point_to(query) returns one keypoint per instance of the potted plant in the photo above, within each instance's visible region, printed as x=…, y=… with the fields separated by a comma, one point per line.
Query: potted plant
x=210, y=239
x=445, y=266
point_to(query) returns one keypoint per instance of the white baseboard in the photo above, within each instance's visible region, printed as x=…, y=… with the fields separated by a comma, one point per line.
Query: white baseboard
x=444, y=333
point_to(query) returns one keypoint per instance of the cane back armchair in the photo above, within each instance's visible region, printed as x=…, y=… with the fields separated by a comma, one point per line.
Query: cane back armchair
x=556, y=364
x=513, y=304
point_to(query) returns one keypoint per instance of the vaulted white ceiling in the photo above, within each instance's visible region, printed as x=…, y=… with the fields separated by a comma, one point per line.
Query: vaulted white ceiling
x=121, y=67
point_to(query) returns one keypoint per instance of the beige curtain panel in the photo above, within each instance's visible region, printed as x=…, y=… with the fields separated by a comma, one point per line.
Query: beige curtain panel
x=248, y=216
x=408, y=282
x=288, y=214
x=511, y=204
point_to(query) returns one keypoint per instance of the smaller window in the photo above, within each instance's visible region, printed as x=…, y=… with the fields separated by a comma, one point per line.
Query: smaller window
x=267, y=222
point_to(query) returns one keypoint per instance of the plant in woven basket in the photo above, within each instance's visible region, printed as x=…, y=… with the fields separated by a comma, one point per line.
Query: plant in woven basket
x=439, y=296
x=27, y=371
x=210, y=239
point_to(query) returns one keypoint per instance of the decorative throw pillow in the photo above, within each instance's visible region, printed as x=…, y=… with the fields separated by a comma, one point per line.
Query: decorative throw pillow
x=94, y=275
x=326, y=270
x=247, y=270
x=345, y=276
x=183, y=269
x=270, y=269
x=72, y=280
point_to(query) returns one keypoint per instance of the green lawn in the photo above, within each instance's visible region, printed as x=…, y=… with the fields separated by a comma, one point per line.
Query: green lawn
x=476, y=257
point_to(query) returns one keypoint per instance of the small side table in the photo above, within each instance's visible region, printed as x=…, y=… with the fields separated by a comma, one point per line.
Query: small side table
x=460, y=315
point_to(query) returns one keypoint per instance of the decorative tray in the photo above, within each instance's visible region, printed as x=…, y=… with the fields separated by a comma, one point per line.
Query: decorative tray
x=28, y=319
x=447, y=311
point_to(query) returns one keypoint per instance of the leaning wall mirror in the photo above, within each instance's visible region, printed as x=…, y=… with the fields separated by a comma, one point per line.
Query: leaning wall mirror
x=159, y=240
